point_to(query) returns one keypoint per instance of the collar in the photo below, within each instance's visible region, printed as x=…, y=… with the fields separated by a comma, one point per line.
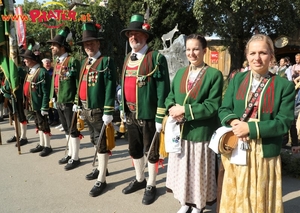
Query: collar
x=33, y=69
x=141, y=53
x=95, y=57
x=62, y=57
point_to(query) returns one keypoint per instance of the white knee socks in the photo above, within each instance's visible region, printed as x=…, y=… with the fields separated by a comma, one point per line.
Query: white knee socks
x=41, y=135
x=138, y=166
x=102, y=165
x=46, y=140
x=23, y=128
x=75, y=147
x=152, y=174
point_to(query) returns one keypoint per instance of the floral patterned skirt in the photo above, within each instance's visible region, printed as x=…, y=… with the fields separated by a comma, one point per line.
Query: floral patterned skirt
x=191, y=174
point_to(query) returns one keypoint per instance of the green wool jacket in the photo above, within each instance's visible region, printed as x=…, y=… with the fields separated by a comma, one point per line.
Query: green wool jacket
x=102, y=94
x=67, y=86
x=200, y=105
x=150, y=98
x=39, y=90
x=275, y=111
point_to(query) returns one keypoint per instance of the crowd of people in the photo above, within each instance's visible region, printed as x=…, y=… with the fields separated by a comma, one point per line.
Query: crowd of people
x=257, y=101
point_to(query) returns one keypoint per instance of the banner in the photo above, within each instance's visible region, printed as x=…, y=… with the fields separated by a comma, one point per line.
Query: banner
x=9, y=48
x=21, y=28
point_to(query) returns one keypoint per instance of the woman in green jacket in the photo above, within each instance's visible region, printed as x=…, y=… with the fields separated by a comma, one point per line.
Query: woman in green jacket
x=255, y=184
x=194, y=100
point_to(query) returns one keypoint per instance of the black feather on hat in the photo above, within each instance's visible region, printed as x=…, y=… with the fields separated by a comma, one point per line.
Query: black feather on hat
x=61, y=38
x=137, y=24
x=30, y=52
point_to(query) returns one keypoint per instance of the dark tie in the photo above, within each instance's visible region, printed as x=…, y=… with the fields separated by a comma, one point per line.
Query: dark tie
x=90, y=60
x=133, y=57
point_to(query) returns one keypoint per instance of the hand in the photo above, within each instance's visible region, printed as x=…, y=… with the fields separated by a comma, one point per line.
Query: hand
x=158, y=127
x=122, y=116
x=107, y=119
x=177, y=112
x=241, y=129
x=44, y=113
x=75, y=108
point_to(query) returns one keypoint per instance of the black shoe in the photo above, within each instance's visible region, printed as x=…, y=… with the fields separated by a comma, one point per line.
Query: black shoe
x=46, y=151
x=94, y=174
x=38, y=148
x=13, y=139
x=64, y=160
x=5, y=116
x=149, y=195
x=22, y=142
x=1, y=119
x=72, y=164
x=98, y=188
x=134, y=186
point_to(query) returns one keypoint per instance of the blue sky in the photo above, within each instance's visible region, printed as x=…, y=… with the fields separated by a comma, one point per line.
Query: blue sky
x=22, y=1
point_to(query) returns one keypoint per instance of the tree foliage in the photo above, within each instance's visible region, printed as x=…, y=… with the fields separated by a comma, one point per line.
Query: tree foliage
x=236, y=20
x=233, y=20
x=164, y=15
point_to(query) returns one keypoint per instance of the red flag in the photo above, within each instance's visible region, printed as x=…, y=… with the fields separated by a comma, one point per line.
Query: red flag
x=21, y=28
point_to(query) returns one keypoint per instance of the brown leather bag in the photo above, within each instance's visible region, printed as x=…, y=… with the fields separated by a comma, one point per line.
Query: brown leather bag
x=228, y=142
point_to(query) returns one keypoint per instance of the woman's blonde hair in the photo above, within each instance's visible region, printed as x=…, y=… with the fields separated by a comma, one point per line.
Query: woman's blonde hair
x=261, y=37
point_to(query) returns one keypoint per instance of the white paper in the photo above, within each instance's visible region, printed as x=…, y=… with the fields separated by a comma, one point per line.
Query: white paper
x=172, y=136
x=215, y=138
x=238, y=155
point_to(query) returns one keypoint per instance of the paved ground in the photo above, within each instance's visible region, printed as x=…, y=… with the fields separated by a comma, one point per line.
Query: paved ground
x=30, y=183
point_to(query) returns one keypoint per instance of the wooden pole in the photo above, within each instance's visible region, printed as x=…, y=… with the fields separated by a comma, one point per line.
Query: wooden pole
x=0, y=137
x=13, y=102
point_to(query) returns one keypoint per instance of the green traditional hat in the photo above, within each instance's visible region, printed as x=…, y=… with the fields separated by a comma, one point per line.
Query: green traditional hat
x=60, y=39
x=137, y=24
x=29, y=53
x=90, y=32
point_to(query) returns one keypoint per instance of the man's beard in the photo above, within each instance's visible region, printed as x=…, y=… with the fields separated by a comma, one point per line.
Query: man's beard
x=135, y=46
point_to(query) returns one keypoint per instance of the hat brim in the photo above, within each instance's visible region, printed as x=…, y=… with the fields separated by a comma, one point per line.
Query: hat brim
x=27, y=56
x=150, y=35
x=90, y=39
x=68, y=48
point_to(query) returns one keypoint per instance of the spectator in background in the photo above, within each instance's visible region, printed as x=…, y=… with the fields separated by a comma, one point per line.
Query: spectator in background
x=296, y=67
x=273, y=68
x=282, y=67
x=245, y=66
x=53, y=114
x=288, y=70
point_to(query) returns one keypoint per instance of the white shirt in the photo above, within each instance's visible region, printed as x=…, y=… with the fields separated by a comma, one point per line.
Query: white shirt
x=33, y=69
x=62, y=57
x=141, y=53
x=95, y=57
x=288, y=73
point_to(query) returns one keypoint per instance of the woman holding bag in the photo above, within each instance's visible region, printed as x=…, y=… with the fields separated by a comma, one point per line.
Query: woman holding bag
x=193, y=101
x=255, y=186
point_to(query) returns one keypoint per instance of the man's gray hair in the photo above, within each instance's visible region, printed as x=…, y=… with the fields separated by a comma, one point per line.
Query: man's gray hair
x=46, y=60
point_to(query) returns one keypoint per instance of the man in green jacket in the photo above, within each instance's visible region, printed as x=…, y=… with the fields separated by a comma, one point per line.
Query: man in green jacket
x=145, y=85
x=36, y=91
x=19, y=107
x=96, y=96
x=63, y=90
